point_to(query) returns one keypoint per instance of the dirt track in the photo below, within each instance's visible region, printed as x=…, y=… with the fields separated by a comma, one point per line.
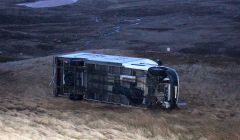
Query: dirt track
x=29, y=111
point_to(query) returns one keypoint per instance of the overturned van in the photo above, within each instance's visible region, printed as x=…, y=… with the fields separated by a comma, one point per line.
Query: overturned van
x=113, y=79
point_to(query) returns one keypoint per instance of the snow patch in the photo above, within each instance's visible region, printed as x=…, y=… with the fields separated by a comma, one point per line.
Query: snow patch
x=47, y=3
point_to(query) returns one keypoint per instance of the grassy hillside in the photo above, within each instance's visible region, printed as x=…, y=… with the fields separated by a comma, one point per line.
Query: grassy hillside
x=29, y=111
x=197, y=27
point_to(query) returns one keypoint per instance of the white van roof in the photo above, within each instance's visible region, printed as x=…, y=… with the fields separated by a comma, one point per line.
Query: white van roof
x=127, y=62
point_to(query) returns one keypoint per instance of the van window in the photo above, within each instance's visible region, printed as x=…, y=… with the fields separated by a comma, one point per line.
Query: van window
x=114, y=70
x=126, y=71
x=102, y=68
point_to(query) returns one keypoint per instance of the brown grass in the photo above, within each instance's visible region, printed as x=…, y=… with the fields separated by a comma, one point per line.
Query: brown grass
x=29, y=111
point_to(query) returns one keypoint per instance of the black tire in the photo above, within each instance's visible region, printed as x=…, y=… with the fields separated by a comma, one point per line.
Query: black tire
x=75, y=97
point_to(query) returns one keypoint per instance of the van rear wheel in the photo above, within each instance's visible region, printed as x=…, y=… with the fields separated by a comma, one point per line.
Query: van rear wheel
x=75, y=97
